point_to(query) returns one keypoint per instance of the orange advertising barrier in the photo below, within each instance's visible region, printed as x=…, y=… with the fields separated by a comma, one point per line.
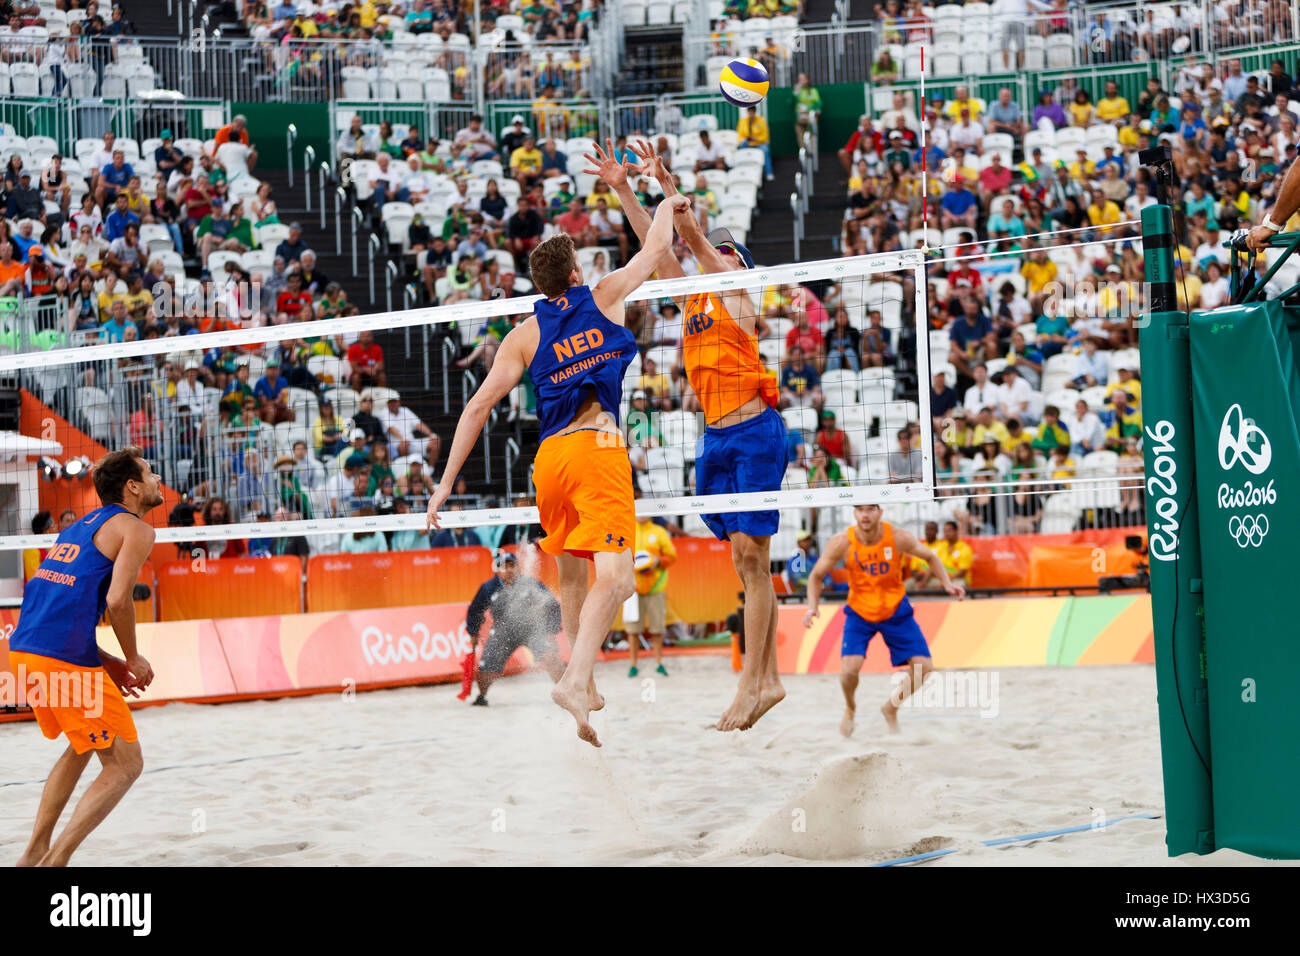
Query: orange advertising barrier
x=702, y=584
x=346, y=582
x=1063, y=560
x=245, y=658
x=224, y=586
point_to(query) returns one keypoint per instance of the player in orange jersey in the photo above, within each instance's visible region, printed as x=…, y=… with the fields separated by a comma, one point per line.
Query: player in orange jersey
x=743, y=447
x=873, y=552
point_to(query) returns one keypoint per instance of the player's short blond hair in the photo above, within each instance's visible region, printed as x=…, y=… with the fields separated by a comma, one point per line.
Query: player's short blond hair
x=551, y=263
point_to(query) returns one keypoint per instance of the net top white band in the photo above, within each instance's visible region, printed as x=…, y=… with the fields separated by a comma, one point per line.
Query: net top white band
x=465, y=312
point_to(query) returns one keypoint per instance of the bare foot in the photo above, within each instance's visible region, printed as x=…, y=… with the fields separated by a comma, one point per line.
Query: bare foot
x=576, y=703
x=890, y=713
x=739, y=715
x=595, y=700
x=846, y=722
x=769, y=695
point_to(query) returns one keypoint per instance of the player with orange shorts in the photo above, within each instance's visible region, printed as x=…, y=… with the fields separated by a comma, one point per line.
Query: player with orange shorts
x=875, y=553
x=74, y=688
x=576, y=350
x=743, y=447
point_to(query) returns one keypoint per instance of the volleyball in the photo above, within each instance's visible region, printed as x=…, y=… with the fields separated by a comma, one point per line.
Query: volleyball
x=743, y=82
x=642, y=560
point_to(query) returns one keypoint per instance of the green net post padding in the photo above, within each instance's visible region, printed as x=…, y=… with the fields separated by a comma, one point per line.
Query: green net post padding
x=1174, y=549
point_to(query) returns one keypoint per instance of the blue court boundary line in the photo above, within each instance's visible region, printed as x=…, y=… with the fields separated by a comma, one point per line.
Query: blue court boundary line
x=1003, y=841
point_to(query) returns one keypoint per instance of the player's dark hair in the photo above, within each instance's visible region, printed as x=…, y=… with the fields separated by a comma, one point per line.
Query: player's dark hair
x=114, y=470
x=550, y=264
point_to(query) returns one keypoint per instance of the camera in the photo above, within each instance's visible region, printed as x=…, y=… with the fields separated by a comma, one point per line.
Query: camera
x=1140, y=578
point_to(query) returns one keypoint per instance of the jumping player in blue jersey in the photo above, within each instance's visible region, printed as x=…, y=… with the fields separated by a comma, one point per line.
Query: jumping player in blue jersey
x=576, y=350
x=92, y=567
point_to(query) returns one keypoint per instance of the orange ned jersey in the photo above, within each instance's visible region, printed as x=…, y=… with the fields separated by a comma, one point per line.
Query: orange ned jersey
x=722, y=361
x=875, y=574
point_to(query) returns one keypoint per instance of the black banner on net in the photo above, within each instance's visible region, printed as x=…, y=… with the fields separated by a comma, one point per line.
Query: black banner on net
x=294, y=906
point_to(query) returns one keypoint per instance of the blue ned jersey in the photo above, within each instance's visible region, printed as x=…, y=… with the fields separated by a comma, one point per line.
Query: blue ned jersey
x=66, y=597
x=579, y=348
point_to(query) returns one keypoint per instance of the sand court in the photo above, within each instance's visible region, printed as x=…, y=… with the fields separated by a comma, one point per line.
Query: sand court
x=413, y=776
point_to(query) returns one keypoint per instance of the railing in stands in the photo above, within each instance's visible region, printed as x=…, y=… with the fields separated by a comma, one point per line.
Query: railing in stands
x=796, y=207
x=373, y=246
x=308, y=160
x=290, y=137
x=390, y=276
x=512, y=454
x=448, y=357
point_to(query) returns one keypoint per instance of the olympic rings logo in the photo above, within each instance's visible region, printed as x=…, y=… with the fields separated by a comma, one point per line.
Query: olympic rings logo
x=1248, y=530
x=1236, y=448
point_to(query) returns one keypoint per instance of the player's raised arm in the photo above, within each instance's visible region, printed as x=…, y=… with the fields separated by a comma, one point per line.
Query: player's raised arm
x=614, y=173
x=836, y=548
x=705, y=254
x=507, y=369
x=908, y=544
x=137, y=542
x=612, y=290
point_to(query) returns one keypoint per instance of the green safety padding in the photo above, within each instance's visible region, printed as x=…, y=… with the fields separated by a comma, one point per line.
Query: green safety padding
x=1245, y=391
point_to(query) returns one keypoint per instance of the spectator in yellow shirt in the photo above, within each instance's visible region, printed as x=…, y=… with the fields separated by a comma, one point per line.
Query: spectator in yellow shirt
x=653, y=556
x=1038, y=270
x=988, y=428
x=753, y=133
x=957, y=556
x=1081, y=110
x=1082, y=167
x=1113, y=108
x=918, y=570
x=961, y=100
x=1103, y=212
x=526, y=163
x=1016, y=435
x=1128, y=135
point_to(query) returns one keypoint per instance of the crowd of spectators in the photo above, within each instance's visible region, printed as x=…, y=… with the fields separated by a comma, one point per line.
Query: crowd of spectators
x=1036, y=278
x=310, y=46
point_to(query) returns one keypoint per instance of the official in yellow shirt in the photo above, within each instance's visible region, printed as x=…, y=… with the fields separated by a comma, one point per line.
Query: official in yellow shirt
x=957, y=556
x=653, y=556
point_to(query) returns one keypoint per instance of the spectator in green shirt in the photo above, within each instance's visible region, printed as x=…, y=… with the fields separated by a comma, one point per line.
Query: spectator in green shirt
x=1051, y=334
x=456, y=225
x=216, y=230
x=807, y=105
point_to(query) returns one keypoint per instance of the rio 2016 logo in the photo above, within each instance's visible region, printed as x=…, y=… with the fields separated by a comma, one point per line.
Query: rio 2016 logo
x=1161, y=488
x=1243, y=442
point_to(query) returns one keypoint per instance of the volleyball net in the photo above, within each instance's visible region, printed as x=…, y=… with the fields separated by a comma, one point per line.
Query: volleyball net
x=840, y=336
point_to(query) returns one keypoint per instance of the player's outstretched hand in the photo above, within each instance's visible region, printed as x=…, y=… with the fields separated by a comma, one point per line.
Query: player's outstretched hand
x=956, y=590
x=652, y=164
x=431, y=522
x=604, y=165
x=119, y=674
x=809, y=616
